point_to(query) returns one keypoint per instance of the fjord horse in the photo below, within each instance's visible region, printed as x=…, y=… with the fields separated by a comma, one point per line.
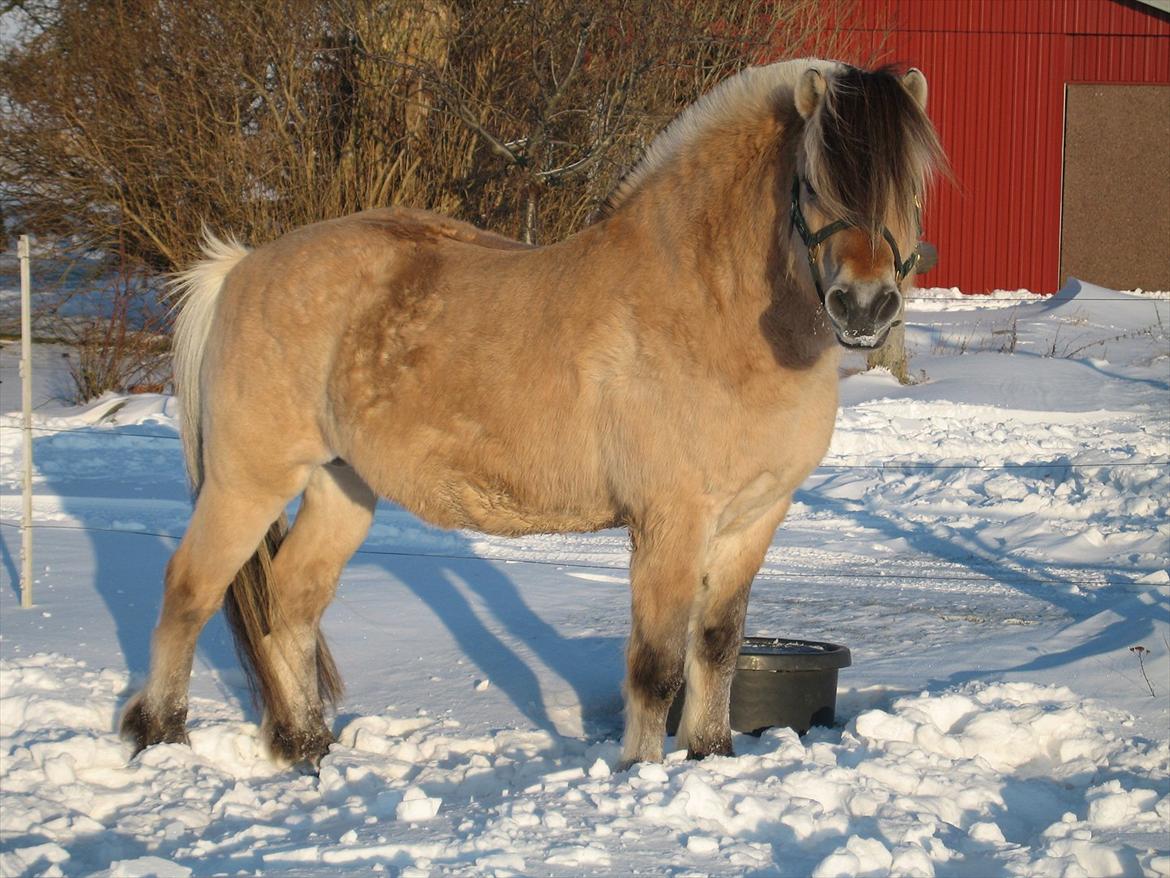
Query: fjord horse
x=671, y=369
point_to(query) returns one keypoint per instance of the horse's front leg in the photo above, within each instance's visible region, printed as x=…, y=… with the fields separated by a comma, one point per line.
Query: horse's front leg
x=716, y=631
x=664, y=578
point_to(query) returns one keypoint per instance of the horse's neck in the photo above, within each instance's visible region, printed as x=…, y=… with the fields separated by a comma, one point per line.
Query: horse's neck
x=724, y=226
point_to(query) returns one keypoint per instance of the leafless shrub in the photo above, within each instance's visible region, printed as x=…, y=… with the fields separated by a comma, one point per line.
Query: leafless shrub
x=129, y=124
x=124, y=349
x=135, y=122
x=1010, y=334
x=139, y=120
x=562, y=98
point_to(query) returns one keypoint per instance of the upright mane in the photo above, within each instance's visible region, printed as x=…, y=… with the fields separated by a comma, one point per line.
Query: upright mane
x=750, y=92
x=870, y=148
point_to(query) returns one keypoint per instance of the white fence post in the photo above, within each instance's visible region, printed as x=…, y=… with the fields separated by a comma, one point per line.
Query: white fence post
x=26, y=565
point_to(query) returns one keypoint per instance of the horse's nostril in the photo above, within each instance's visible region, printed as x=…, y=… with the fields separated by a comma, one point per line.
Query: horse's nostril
x=837, y=304
x=886, y=305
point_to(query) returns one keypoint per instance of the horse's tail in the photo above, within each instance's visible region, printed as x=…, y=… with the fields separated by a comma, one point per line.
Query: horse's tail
x=196, y=293
x=249, y=603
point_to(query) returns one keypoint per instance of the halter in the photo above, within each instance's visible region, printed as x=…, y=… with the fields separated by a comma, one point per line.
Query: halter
x=813, y=241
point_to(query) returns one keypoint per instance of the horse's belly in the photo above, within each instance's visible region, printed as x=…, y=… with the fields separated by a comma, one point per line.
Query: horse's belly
x=491, y=505
x=475, y=479
x=493, y=513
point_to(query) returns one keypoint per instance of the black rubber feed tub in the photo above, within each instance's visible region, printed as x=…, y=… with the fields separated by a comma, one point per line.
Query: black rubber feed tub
x=780, y=682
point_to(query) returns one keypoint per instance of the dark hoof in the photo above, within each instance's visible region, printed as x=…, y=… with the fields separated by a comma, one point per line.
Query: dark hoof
x=302, y=748
x=144, y=729
x=306, y=768
x=715, y=748
x=696, y=755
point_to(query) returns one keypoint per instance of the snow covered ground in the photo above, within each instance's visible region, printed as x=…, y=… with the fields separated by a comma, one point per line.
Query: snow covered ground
x=989, y=542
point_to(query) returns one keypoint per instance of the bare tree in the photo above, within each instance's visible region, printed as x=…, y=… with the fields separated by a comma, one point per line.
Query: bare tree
x=136, y=121
x=562, y=97
x=140, y=120
x=128, y=125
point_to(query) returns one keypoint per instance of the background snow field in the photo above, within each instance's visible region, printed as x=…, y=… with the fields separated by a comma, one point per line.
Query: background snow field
x=989, y=542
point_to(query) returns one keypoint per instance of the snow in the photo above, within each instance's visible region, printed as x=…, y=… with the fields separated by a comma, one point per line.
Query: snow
x=990, y=542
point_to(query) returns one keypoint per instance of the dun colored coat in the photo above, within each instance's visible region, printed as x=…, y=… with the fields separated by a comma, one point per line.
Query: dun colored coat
x=671, y=369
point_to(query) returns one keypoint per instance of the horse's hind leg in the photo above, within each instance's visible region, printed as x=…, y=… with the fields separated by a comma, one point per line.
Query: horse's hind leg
x=296, y=671
x=716, y=631
x=664, y=575
x=225, y=529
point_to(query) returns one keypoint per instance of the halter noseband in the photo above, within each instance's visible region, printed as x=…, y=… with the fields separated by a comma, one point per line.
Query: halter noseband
x=813, y=241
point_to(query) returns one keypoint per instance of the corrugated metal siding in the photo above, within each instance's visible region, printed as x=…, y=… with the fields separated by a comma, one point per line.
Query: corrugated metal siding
x=1120, y=59
x=998, y=225
x=1112, y=18
x=997, y=71
x=1012, y=16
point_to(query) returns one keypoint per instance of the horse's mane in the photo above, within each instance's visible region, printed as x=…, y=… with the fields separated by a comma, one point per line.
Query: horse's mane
x=748, y=93
x=868, y=146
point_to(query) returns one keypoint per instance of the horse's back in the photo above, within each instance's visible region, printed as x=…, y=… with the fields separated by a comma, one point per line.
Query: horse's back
x=411, y=224
x=421, y=350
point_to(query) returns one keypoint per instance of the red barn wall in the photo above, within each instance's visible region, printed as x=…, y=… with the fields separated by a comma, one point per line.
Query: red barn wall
x=997, y=71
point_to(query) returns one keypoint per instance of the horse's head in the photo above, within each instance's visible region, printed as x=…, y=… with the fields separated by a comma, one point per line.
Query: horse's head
x=865, y=156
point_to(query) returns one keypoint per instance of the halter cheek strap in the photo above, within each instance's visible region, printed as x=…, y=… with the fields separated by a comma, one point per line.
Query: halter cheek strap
x=814, y=240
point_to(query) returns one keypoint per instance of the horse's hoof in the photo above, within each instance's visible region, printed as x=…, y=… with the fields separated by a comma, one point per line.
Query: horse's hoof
x=715, y=748
x=308, y=767
x=144, y=729
x=302, y=749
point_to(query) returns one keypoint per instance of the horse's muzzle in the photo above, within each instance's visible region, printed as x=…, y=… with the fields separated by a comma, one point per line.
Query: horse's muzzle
x=863, y=314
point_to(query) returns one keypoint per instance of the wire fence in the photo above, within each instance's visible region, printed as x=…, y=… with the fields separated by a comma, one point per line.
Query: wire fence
x=986, y=574
x=113, y=431
x=107, y=430
x=980, y=573
x=1130, y=296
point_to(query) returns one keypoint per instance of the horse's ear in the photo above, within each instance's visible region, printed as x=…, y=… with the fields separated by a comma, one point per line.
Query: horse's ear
x=809, y=92
x=915, y=83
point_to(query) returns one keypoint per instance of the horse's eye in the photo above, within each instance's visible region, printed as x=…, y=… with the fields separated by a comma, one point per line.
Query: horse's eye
x=808, y=190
